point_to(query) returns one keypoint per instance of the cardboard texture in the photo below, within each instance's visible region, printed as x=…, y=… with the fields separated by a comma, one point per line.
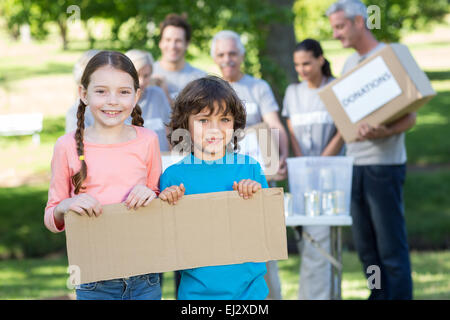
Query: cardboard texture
x=415, y=89
x=266, y=151
x=201, y=230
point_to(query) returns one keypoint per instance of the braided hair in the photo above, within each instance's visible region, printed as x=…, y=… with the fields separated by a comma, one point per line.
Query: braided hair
x=103, y=58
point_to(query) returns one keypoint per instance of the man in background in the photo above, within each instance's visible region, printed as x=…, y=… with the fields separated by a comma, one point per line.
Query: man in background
x=172, y=72
x=379, y=229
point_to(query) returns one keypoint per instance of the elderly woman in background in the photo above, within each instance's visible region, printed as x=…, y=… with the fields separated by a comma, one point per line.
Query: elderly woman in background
x=153, y=102
x=71, y=115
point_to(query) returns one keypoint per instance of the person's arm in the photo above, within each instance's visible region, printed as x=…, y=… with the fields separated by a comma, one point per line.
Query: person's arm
x=273, y=121
x=161, y=82
x=59, y=188
x=154, y=166
x=295, y=145
x=334, y=146
x=59, y=196
x=171, y=192
x=367, y=132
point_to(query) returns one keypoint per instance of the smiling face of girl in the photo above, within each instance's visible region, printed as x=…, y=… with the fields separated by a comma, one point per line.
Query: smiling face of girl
x=111, y=96
x=211, y=131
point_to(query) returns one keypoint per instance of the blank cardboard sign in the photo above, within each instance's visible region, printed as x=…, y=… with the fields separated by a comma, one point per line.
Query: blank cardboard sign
x=200, y=230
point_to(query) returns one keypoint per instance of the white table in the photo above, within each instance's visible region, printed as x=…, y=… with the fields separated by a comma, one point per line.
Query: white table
x=335, y=223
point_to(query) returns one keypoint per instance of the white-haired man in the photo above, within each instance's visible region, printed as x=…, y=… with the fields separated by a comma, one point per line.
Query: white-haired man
x=228, y=53
x=379, y=230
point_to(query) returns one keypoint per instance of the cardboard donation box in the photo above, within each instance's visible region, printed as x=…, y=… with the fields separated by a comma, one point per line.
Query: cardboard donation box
x=261, y=143
x=380, y=90
x=210, y=229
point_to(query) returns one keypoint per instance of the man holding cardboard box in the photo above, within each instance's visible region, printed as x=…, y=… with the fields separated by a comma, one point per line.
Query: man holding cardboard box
x=379, y=230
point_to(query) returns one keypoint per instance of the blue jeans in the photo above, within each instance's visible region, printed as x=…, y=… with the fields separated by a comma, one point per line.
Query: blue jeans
x=379, y=229
x=143, y=287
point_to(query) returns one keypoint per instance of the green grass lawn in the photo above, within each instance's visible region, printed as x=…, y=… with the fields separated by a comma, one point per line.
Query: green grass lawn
x=427, y=142
x=46, y=278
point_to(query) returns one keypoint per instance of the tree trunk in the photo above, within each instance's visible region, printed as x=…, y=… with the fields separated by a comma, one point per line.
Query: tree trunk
x=63, y=32
x=90, y=36
x=277, y=66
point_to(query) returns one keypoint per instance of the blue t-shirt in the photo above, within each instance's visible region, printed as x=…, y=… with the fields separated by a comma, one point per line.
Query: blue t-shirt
x=228, y=282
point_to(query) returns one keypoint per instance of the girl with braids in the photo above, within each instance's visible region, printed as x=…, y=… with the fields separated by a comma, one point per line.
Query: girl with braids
x=108, y=162
x=312, y=133
x=206, y=120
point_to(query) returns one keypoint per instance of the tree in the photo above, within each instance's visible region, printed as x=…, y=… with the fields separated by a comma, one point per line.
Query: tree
x=277, y=46
x=397, y=17
x=401, y=16
x=18, y=13
x=267, y=26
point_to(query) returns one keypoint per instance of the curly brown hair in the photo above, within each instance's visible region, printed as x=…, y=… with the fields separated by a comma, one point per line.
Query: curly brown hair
x=204, y=93
x=103, y=58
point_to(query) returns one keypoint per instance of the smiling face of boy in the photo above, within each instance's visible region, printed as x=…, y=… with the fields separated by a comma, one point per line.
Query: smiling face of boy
x=211, y=132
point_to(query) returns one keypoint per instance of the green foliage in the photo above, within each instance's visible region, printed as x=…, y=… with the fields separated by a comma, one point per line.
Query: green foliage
x=396, y=17
x=427, y=142
x=310, y=19
x=19, y=12
x=22, y=230
x=130, y=19
x=427, y=208
x=400, y=16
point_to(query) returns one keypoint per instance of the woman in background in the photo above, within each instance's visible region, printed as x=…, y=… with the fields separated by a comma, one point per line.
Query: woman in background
x=312, y=133
x=154, y=104
x=71, y=115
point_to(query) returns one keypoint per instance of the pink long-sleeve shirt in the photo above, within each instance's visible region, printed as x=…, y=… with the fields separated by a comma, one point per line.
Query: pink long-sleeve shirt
x=113, y=170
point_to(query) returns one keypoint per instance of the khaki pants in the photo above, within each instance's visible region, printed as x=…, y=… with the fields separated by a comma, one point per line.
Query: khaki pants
x=273, y=281
x=315, y=269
